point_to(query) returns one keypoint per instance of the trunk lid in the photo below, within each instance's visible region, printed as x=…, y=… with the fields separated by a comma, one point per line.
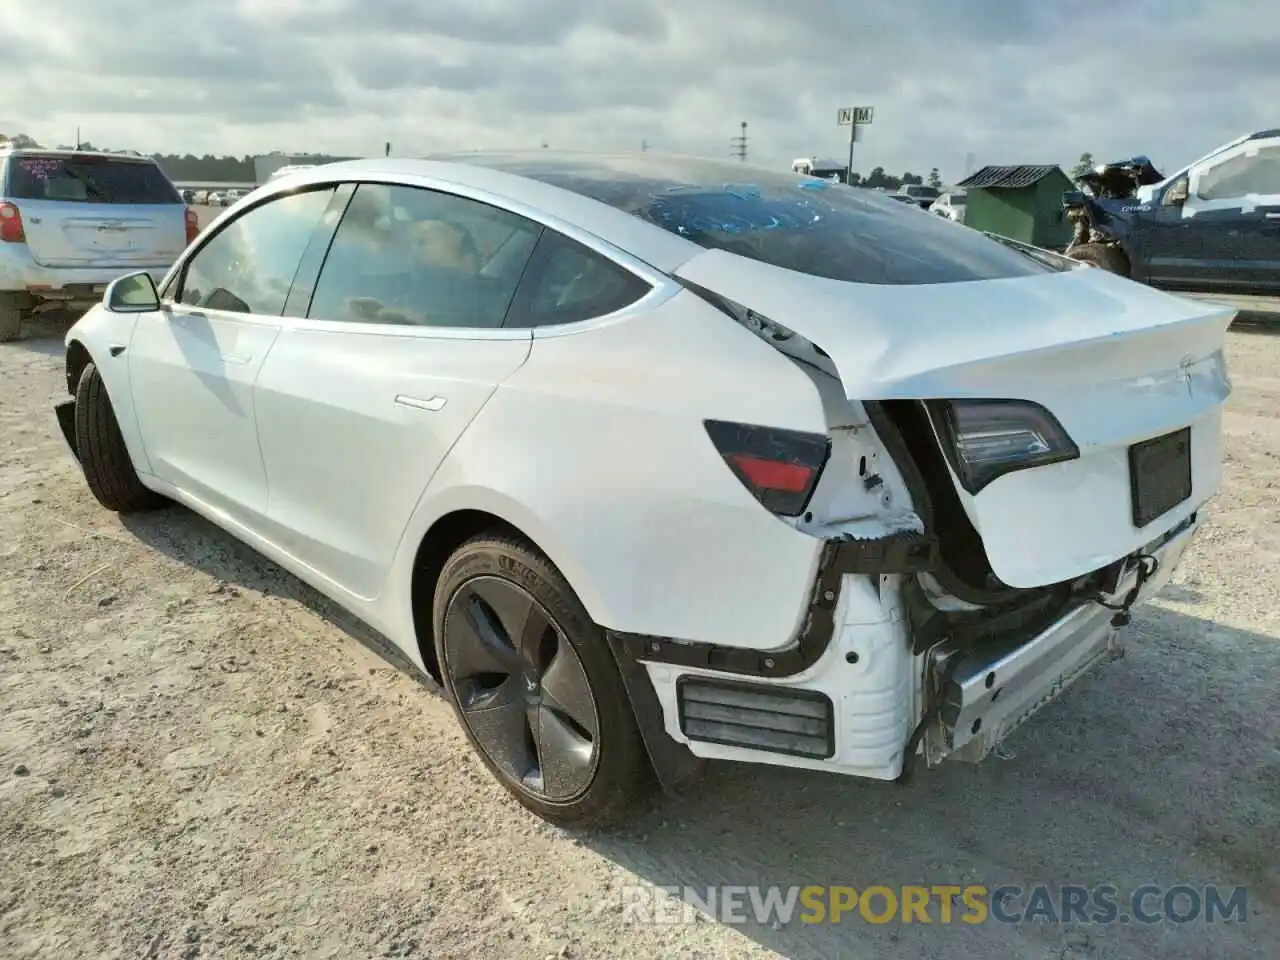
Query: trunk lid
x=88, y=210
x=1115, y=362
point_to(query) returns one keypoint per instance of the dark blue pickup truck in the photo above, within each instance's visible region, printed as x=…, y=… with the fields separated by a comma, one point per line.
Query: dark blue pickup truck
x=1213, y=226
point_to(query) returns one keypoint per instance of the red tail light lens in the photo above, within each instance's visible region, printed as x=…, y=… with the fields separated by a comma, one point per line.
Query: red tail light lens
x=780, y=467
x=11, y=229
x=193, y=225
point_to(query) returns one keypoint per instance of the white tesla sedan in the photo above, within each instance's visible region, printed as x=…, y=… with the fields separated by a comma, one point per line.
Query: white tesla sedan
x=654, y=460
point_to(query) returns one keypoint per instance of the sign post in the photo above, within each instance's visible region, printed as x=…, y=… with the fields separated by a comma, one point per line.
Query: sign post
x=853, y=118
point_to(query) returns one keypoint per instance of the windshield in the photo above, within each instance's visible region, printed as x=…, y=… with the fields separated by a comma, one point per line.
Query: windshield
x=916, y=191
x=784, y=219
x=87, y=178
x=956, y=201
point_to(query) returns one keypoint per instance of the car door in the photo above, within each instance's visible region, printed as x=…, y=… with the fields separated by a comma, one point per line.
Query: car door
x=193, y=363
x=1166, y=245
x=373, y=379
x=1233, y=210
x=1246, y=184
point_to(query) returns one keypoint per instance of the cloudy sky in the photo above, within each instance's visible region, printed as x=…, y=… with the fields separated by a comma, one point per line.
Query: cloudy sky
x=1005, y=81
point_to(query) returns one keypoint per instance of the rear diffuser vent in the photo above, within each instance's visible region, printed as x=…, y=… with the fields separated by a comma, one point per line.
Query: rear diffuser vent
x=800, y=723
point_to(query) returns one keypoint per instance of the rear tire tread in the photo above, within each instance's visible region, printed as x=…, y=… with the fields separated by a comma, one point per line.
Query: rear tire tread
x=104, y=458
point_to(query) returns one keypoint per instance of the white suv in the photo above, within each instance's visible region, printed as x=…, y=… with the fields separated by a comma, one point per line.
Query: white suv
x=72, y=221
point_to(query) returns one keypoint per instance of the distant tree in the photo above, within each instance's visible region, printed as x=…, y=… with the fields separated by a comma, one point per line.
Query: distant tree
x=935, y=179
x=1083, y=165
x=911, y=178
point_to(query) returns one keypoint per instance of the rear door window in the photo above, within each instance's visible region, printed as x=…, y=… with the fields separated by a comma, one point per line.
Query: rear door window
x=415, y=257
x=1255, y=172
x=87, y=178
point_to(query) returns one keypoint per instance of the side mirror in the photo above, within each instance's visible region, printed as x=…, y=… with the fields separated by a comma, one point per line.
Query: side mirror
x=1176, y=195
x=132, y=293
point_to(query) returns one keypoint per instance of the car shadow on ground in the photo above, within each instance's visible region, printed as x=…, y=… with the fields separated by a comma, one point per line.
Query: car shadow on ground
x=195, y=542
x=1266, y=323
x=45, y=333
x=1159, y=769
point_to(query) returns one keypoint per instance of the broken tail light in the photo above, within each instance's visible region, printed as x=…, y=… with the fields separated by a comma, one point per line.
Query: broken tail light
x=780, y=467
x=986, y=439
x=11, y=229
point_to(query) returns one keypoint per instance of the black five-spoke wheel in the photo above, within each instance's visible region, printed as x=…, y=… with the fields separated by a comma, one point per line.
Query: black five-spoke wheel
x=533, y=681
x=521, y=688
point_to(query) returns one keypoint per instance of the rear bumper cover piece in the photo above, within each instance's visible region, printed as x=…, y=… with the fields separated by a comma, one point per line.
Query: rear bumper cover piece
x=963, y=692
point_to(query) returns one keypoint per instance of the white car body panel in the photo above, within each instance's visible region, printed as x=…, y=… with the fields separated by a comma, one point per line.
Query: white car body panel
x=586, y=438
x=193, y=374
x=1114, y=361
x=334, y=398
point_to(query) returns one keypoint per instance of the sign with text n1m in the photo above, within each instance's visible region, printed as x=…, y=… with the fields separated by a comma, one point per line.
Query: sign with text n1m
x=846, y=116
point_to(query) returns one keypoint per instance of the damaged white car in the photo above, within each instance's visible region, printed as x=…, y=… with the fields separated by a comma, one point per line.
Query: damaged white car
x=654, y=460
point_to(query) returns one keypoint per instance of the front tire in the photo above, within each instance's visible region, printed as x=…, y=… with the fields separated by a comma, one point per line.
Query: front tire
x=103, y=455
x=535, y=687
x=10, y=324
x=1102, y=255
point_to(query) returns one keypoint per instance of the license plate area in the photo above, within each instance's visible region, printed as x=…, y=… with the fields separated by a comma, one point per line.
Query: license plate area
x=1159, y=475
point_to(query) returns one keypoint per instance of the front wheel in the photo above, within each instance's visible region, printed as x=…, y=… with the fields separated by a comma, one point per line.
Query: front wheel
x=1101, y=255
x=534, y=685
x=10, y=324
x=103, y=455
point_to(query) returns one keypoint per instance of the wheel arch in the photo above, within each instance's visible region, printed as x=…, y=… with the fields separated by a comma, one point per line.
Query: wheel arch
x=446, y=533
x=78, y=357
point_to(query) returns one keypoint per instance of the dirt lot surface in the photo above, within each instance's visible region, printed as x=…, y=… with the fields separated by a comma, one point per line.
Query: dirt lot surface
x=197, y=761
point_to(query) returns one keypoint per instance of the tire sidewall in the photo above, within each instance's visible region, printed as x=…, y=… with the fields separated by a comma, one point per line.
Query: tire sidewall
x=620, y=752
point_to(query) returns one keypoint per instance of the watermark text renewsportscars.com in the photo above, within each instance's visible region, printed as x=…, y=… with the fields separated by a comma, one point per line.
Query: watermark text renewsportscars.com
x=936, y=904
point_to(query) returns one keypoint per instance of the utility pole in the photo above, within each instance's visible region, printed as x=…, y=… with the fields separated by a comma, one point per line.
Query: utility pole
x=740, y=144
x=77, y=138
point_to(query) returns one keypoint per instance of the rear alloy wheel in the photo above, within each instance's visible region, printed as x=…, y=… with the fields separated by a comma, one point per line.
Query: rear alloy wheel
x=534, y=685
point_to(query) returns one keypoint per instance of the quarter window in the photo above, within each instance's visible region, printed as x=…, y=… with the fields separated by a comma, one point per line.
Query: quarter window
x=410, y=256
x=249, y=265
x=567, y=282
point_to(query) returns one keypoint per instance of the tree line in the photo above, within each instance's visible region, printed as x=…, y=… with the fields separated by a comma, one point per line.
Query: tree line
x=182, y=168
x=190, y=168
x=878, y=179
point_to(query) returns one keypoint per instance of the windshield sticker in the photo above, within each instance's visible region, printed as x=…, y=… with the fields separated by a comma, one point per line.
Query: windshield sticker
x=40, y=168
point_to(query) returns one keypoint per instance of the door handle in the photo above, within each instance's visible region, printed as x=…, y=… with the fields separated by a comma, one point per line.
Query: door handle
x=432, y=404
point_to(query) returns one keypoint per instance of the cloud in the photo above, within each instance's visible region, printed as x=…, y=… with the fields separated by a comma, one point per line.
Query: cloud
x=1005, y=81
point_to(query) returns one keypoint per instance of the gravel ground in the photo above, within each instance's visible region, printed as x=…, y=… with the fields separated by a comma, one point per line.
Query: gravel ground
x=197, y=759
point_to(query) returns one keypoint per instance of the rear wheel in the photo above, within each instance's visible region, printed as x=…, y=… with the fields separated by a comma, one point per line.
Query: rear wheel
x=1103, y=256
x=535, y=686
x=103, y=455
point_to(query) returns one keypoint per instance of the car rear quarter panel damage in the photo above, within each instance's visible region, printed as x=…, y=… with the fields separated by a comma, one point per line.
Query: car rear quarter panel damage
x=596, y=450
